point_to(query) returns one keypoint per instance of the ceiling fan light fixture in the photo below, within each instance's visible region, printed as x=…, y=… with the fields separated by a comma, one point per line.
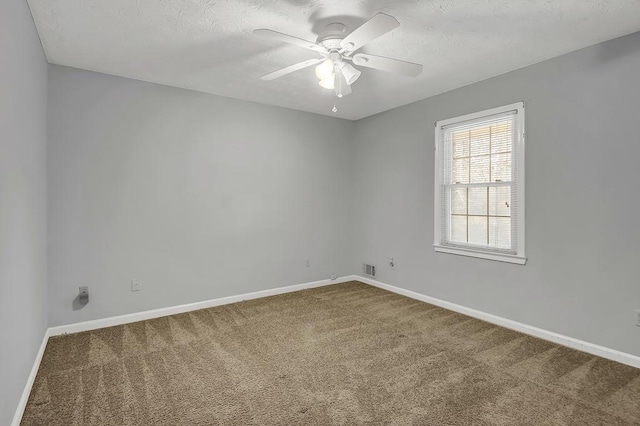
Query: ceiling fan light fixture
x=327, y=83
x=324, y=71
x=340, y=84
x=350, y=73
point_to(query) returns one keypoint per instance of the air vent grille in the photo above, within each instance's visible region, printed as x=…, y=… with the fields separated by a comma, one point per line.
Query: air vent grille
x=369, y=270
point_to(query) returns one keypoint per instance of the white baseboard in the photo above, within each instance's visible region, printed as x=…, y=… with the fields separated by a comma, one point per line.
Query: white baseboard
x=22, y=404
x=172, y=310
x=560, y=339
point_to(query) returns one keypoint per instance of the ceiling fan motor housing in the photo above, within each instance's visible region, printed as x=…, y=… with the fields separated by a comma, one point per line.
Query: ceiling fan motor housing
x=332, y=36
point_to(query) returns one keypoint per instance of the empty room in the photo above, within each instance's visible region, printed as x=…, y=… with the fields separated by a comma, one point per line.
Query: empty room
x=306, y=212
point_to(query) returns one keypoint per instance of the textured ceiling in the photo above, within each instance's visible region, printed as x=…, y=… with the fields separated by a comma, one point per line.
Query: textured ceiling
x=208, y=45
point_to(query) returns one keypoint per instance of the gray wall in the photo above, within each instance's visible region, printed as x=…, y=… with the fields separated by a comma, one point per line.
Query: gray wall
x=582, y=278
x=194, y=195
x=199, y=196
x=23, y=129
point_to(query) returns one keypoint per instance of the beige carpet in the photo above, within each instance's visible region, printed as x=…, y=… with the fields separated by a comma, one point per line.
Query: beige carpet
x=342, y=354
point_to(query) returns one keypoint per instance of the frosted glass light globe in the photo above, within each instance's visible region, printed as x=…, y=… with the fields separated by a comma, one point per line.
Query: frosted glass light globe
x=324, y=71
x=327, y=83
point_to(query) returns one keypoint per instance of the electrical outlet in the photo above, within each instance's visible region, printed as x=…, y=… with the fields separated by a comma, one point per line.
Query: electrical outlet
x=392, y=264
x=307, y=264
x=83, y=295
x=135, y=285
x=334, y=276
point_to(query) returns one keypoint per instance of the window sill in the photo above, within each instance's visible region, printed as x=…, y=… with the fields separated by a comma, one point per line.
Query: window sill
x=520, y=260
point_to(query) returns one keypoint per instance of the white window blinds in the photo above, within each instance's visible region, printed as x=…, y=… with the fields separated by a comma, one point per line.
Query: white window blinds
x=478, y=182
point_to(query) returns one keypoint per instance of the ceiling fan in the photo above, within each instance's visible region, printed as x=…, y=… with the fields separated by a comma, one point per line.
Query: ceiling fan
x=337, y=49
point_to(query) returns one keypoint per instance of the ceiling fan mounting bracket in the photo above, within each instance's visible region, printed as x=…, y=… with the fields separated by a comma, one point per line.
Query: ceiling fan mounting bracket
x=360, y=60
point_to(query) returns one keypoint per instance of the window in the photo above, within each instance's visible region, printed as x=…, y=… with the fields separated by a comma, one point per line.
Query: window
x=479, y=185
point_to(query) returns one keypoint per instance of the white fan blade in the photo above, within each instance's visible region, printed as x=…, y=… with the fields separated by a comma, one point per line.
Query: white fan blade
x=387, y=64
x=291, y=68
x=291, y=40
x=340, y=84
x=369, y=31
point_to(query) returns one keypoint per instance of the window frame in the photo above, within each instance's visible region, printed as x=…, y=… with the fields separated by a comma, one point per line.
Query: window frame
x=519, y=257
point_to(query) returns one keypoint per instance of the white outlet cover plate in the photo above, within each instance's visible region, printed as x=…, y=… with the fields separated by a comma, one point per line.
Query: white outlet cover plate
x=135, y=285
